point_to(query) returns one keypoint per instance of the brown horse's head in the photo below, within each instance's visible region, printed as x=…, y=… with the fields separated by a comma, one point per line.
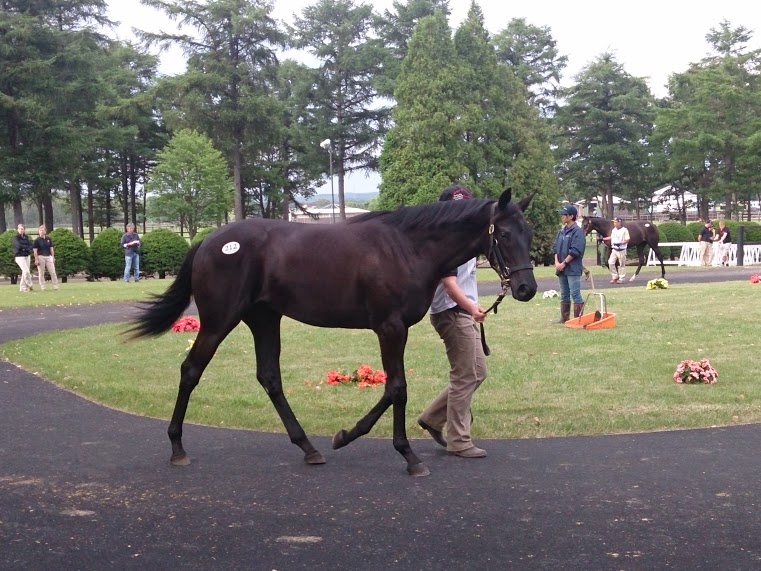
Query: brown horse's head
x=510, y=245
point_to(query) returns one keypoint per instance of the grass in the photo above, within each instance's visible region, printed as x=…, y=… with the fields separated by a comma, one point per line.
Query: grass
x=79, y=292
x=544, y=379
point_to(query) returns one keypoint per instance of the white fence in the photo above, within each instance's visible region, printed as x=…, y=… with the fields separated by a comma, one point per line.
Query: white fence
x=689, y=254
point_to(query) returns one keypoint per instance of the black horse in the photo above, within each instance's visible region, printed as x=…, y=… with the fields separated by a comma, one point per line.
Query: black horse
x=641, y=234
x=376, y=271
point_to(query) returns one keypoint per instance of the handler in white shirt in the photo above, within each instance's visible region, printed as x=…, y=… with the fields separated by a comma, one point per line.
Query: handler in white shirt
x=618, y=240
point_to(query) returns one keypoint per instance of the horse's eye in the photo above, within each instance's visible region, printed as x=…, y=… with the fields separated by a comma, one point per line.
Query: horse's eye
x=504, y=234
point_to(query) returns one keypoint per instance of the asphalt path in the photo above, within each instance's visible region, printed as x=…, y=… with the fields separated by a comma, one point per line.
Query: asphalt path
x=86, y=487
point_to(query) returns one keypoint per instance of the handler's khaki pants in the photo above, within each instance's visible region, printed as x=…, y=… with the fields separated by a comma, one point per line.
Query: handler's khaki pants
x=706, y=249
x=25, y=281
x=47, y=263
x=620, y=257
x=462, y=339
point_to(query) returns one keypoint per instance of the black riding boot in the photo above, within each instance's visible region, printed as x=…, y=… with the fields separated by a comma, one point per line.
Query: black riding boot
x=577, y=309
x=565, y=311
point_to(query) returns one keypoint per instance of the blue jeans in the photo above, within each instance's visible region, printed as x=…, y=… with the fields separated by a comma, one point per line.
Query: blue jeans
x=570, y=288
x=132, y=261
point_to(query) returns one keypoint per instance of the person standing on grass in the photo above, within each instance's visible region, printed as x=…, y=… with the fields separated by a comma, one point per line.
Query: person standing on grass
x=455, y=315
x=724, y=239
x=22, y=248
x=618, y=242
x=706, y=239
x=131, y=245
x=44, y=257
x=569, y=249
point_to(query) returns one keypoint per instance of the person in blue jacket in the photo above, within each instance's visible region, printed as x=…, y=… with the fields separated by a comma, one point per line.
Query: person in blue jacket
x=569, y=249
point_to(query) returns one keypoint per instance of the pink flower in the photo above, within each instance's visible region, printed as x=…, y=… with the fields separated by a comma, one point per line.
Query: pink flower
x=695, y=372
x=755, y=278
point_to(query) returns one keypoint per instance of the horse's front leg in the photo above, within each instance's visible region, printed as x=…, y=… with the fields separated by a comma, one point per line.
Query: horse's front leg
x=393, y=339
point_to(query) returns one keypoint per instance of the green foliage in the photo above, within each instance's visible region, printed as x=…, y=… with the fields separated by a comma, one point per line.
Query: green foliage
x=200, y=235
x=191, y=182
x=673, y=232
x=752, y=233
x=162, y=252
x=107, y=255
x=8, y=266
x=72, y=255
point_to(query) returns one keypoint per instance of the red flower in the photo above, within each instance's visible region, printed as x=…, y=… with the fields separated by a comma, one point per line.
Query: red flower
x=364, y=377
x=187, y=324
x=755, y=278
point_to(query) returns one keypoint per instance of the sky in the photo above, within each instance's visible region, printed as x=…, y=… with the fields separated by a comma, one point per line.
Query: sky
x=651, y=39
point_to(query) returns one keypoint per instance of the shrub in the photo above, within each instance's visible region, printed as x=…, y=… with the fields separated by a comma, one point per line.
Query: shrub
x=673, y=232
x=200, y=235
x=8, y=265
x=694, y=228
x=752, y=232
x=71, y=253
x=106, y=255
x=162, y=252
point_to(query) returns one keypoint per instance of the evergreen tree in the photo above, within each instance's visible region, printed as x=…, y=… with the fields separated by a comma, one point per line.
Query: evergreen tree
x=422, y=153
x=346, y=103
x=603, y=130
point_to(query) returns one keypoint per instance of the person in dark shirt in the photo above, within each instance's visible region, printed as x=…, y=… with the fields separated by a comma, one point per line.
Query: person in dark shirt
x=44, y=257
x=22, y=248
x=706, y=239
x=131, y=246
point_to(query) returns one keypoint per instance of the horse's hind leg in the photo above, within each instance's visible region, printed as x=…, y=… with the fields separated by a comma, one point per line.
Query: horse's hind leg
x=265, y=326
x=641, y=261
x=190, y=374
x=393, y=338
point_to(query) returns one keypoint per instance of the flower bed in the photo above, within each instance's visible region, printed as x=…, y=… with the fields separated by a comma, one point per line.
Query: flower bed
x=696, y=372
x=187, y=324
x=364, y=377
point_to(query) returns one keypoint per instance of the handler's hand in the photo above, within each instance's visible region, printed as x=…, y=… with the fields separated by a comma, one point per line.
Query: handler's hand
x=480, y=315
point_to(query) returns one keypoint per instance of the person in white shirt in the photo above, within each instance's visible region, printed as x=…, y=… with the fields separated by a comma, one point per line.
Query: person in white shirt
x=618, y=242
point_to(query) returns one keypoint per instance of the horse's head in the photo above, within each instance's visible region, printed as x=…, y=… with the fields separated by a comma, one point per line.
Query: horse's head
x=510, y=245
x=586, y=225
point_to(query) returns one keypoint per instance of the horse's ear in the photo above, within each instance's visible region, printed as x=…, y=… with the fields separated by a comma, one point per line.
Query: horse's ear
x=506, y=196
x=524, y=202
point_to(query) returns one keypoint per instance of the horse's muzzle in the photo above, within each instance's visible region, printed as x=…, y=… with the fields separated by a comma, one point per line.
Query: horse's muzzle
x=523, y=285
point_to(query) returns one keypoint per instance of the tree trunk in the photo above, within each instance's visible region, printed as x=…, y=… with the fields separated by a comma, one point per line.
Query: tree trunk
x=125, y=189
x=3, y=225
x=18, y=211
x=75, y=198
x=47, y=208
x=90, y=214
x=133, y=188
x=40, y=211
x=240, y=212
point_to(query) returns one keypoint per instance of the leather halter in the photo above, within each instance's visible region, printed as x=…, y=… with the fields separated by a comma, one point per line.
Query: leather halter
x=498, y=264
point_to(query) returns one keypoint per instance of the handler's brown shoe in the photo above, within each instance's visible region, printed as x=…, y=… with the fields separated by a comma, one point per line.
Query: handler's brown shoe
x=472, y=452
x=435, y=434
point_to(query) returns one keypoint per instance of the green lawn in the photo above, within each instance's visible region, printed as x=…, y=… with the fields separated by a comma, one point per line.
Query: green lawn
x=544, y=379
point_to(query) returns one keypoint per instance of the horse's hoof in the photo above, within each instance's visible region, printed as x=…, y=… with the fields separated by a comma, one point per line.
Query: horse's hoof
x=339, y=440
x=314, y=458
x=180, y=460
x=633, y=278
x=418, y=470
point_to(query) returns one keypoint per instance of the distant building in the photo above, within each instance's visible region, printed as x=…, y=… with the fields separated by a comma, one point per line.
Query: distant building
x=323, y=215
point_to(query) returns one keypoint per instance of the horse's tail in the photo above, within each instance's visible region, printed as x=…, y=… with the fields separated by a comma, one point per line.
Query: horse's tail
x=159, y=314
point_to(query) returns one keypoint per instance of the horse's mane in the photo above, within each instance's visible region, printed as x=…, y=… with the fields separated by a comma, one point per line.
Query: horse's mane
x=424, y=215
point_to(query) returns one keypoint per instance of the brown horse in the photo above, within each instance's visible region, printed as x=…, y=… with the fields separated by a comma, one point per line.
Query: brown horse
x=376, y=271
x=641, y=234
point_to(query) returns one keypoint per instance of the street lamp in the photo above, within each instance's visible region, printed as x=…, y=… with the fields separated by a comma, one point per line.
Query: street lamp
x=325, y=145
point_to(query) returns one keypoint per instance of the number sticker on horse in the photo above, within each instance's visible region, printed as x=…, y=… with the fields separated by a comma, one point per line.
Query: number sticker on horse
x=230, y=248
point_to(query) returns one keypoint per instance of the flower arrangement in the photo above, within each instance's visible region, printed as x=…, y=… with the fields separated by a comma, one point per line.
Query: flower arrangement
x=549, y=293
x=696, y=372
x=755, y=278
x=364, y=377
x=660, y=283
x=187, y=324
